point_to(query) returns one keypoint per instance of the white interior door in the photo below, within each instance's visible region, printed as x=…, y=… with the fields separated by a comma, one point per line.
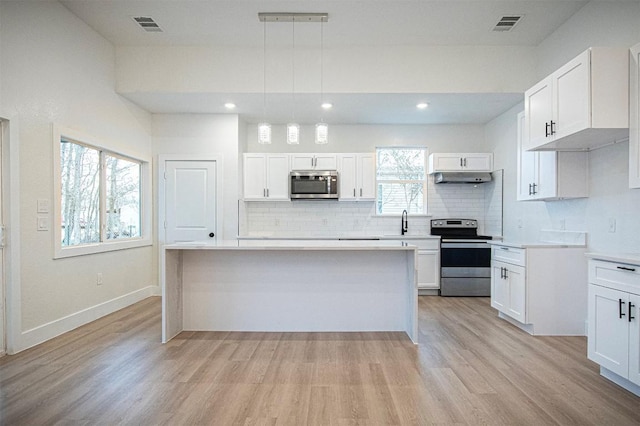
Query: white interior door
x=190, y=201
x=3, y=315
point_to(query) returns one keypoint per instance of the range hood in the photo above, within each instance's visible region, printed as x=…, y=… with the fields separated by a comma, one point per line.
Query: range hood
x=462, y=177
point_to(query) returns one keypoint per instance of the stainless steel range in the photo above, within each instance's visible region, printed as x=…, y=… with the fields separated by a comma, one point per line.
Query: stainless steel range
x=465, y=258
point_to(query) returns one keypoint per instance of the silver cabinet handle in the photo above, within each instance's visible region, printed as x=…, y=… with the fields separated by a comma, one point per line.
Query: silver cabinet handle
x=465, y=162
x=264, y=192
x=354, y=192
x=361, y=192
x=267, y=192
x=460, y=162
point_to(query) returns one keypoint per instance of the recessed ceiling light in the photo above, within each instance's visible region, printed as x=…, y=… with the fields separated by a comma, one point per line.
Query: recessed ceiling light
x=327, y=105
x=230, y=105
x=422, y=105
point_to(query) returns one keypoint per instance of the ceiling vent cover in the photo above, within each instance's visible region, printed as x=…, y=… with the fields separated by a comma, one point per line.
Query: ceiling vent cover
x=147, y=23
x=507, y=22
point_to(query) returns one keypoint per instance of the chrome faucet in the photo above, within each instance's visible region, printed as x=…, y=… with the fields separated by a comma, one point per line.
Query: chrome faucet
x=405, y=222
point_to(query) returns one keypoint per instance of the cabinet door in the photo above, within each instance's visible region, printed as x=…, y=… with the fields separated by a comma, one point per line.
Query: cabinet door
x=499, y=287
x=572, y=96
x=428, y=268
x=634, y=339
x=608, y=333
x=546, y=175
x=325, y=162
x=481, y=162
x=347, y=176
x=527, y=161
x=538, y=107
x=446, y=162
x=366, y=176
x=517, y=293
x=302, y=162
x=255, y=172
x=278, y=177
x=634, y=117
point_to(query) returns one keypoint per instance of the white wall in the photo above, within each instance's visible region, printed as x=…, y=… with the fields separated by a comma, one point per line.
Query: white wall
x=599, y=23
x=596, y=24
x=55, y=69
x=204, y=134
x=365, y=69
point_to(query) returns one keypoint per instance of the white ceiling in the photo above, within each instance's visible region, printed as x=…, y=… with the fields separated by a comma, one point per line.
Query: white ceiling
x=352, y=23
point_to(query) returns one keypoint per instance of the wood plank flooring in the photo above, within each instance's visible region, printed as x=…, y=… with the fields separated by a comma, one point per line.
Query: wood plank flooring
x=470, y=368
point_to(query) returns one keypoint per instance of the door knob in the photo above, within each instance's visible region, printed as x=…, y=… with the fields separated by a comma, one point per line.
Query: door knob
x=211, y=235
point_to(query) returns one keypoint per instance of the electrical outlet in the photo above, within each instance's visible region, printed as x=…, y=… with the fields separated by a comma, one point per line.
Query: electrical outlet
x=99, y=280
x=612, y=224
x=325, y=222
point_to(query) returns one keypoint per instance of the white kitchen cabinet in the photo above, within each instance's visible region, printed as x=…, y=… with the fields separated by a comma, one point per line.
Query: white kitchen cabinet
x=356, y=173
x=460, y=162
x=540, y=288
x=314, y=162
x=582, y=105
x=266, y=177
x=614, y=321
x=508, y=290
x=549, y=175
x=427, y=261
x=634, y=117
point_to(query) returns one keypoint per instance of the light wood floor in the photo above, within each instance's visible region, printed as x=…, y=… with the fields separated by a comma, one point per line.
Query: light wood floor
x=470, y=368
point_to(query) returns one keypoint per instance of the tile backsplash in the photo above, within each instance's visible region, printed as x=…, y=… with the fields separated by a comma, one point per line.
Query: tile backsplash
x=334, y=218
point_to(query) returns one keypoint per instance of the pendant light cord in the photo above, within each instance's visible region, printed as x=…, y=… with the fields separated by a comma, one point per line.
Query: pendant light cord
x=293, y=69
x=264, y=72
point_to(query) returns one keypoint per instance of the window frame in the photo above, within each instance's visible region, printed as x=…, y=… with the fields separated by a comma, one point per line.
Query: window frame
x=425, y=182
x=104, y=245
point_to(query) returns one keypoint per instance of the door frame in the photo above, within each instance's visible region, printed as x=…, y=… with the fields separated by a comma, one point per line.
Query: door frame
x=162, y=202
x=11, y=327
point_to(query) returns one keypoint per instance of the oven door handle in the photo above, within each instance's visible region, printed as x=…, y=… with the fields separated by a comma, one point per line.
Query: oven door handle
x=464, y=245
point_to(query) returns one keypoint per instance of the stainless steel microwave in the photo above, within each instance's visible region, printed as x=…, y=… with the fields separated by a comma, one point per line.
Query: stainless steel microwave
x=313, y=184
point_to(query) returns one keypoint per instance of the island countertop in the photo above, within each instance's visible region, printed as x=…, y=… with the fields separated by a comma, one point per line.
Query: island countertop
x=292, y=245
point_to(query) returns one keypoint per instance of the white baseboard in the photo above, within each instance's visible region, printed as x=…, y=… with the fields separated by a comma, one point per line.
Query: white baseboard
x=48, y=331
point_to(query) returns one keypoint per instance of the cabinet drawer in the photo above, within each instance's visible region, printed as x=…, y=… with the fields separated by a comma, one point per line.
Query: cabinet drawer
x=515, y=256
x=430, y=244
x=619, y=276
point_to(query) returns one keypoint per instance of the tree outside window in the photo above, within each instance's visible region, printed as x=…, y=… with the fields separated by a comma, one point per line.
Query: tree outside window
x=97, y=187
x=401, y=180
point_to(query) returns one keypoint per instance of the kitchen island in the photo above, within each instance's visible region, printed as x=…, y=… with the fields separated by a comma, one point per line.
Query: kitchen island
x=289, y=286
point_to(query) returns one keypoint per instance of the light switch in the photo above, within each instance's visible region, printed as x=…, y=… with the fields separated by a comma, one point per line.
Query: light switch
x=43, y=205
x=43, y=223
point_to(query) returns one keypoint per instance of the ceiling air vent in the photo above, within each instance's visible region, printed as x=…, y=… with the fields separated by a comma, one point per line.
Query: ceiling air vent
x=147, y=24
x=506, y=23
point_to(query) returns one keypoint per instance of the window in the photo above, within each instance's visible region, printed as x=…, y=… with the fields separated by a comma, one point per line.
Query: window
x=100, y=198
x=401, y=180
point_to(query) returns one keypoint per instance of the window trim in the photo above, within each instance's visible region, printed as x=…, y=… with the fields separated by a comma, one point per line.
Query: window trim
x=425, y=182
x=143, y=240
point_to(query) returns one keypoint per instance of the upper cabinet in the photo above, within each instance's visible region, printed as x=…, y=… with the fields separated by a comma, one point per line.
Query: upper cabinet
x=460, y=162
x=266, y=177
x=634, y=118
x=582, y=105
x=314, y=162
x=357, y=177
x=549, y=175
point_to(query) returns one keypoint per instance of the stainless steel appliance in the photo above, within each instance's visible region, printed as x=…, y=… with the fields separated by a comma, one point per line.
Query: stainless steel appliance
x=313, y=184
x=465, y=258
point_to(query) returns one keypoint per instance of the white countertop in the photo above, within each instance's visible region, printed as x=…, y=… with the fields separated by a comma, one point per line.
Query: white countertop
x=539, y=244
x=301, y=244
x=633, y=258
x=343, y=237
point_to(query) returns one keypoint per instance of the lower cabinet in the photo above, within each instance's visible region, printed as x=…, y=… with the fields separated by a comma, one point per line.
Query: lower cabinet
x=428, y=268
x=541, y=288
x=508, y=290
x=614, y=324
x=427, y=262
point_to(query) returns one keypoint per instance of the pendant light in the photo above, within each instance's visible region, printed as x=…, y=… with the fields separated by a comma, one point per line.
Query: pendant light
x=322, y=128
x=293, y=129
x=264, y=128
